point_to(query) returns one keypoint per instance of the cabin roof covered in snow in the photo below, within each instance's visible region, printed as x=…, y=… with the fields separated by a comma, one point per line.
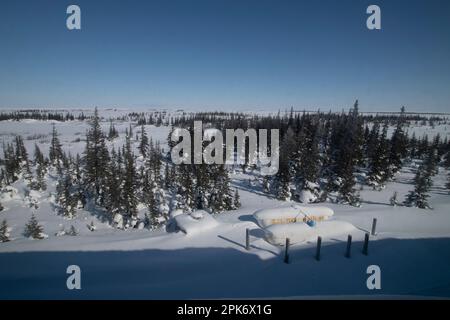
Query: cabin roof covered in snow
x=292, y=211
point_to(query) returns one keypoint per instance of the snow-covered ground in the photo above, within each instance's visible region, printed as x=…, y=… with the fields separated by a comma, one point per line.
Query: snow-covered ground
x=412, y=246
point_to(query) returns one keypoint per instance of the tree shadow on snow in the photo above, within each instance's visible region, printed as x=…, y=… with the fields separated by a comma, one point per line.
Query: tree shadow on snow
x=411, y=267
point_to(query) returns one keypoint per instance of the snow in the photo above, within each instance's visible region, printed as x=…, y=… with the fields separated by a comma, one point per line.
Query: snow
x=300, y=232
x=292, y=213
x=208, y=259
x=296, y=232
x=196, y=222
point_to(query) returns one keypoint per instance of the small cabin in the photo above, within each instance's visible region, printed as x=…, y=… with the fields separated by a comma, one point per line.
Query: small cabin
x=292, y=214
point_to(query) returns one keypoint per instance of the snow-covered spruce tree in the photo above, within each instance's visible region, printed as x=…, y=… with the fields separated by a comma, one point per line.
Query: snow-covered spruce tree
x=12, y=166
x=4, y=232
x=154, y=162
x=307, y=160
x=372, y=142
x=143, y=144
x=114, y=176
x=346, y=160
x=148, y=198
x=38, y=155
x=221, y=198
x=169, y=176
x=55, y=151
x=33, y=229
x=1, y=207
x=65, y=196
x=379, y=162
x=129, y=188
x=286, y=169
x=422, y=184
x=96, y=159
x=237, y=200
x=358, y=134
x=40, y=183
x=112, y=133
x=22, y=159
x=185, y=194
x=399, y=143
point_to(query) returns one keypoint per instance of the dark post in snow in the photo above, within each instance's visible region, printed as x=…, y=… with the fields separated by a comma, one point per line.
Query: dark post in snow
x=319, y=242
x=374, y=226
x=286, y=252
x=247, y=239
x=366, y=245
x=349, y=246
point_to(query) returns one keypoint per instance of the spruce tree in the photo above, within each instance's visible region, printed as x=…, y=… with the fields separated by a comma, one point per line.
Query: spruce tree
x=143, y=145
x=55, y=152
x=113, y=133
x=65, y=196
x=38, y=155
x=96, y=159
x=4, y=232
x=422, y=184
x=398, y=148
x=237, y=200
x=33, y=229
x=148, y=198
x=379, y=170
x=130, y=182
x=114, y=183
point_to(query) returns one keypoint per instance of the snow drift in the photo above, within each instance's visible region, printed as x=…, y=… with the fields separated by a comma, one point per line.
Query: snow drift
x=195, y=222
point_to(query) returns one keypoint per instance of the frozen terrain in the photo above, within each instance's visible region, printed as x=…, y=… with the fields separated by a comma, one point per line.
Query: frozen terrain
x=412, y=246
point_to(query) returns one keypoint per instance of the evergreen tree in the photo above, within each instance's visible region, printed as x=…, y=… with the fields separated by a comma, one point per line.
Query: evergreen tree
x=96, y=160
x=308, y=160
x=65, y=196
x=379, y=170
x=286, y=169
x=398, y=148
x=113, y=133
x=347, y=159
x=185, y=195
x=422, y=184
x=55, y=152
x=130, y=182
x=237, y=200
x=114, y=184
x=33, y=229
x=148, y=198
x=143, y=145
x=1, y=207
x=4, y=232
x=38, y=155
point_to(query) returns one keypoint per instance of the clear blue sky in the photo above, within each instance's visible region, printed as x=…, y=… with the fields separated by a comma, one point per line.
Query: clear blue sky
x=226, y=54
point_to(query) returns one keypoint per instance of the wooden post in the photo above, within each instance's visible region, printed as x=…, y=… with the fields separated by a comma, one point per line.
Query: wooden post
x=286, y=252
x=366, y=245
x=349, y=246
x=247, y=239
x=319, y=242
x=374, y=226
